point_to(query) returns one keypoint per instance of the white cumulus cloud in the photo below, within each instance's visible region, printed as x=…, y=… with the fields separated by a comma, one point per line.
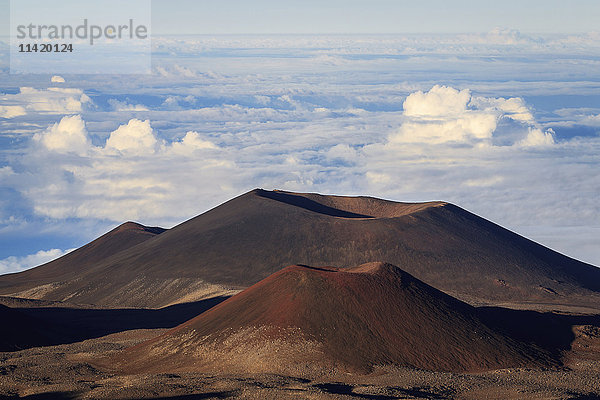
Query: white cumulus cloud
x=133, y=175
x=536, y=137
x=67, y=136
x=444, y=115
x=135, y=138
x=16, y=264
x=190, y=143
x=440, y=101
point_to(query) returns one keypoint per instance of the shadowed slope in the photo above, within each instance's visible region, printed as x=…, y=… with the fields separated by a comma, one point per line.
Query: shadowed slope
x=304, y=319
x=346, y=206
x=311, y=205
x=34, y=323
x=20, y=331
x=247, y=238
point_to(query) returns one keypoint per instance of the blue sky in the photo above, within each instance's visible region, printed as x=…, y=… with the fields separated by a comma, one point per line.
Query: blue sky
x=501, y=121
x=352, y=16
x=378, y=16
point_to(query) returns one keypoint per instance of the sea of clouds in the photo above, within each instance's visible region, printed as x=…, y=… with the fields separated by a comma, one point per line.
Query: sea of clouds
x=503, y=124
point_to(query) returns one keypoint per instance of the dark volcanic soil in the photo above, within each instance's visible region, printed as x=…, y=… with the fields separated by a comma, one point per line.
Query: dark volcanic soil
x=65, y=372
x=70, y=371
x=305, y=320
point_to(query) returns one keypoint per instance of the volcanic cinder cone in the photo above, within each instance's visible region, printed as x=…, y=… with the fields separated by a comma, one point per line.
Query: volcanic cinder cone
x=304, y=320
x=57, y=279
x=248, y=238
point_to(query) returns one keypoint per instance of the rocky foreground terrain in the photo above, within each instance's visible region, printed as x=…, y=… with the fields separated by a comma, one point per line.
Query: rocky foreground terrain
x=65, y=372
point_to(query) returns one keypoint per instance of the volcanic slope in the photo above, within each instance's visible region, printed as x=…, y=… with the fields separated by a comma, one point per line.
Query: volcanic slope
x=303, y=320
x=50, y=277
x=251, y=236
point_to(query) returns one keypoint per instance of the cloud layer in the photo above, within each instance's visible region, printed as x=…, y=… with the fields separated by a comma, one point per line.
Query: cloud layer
x=503, y=124
x=134, y=174
x=52, y=100
x=131, y=176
